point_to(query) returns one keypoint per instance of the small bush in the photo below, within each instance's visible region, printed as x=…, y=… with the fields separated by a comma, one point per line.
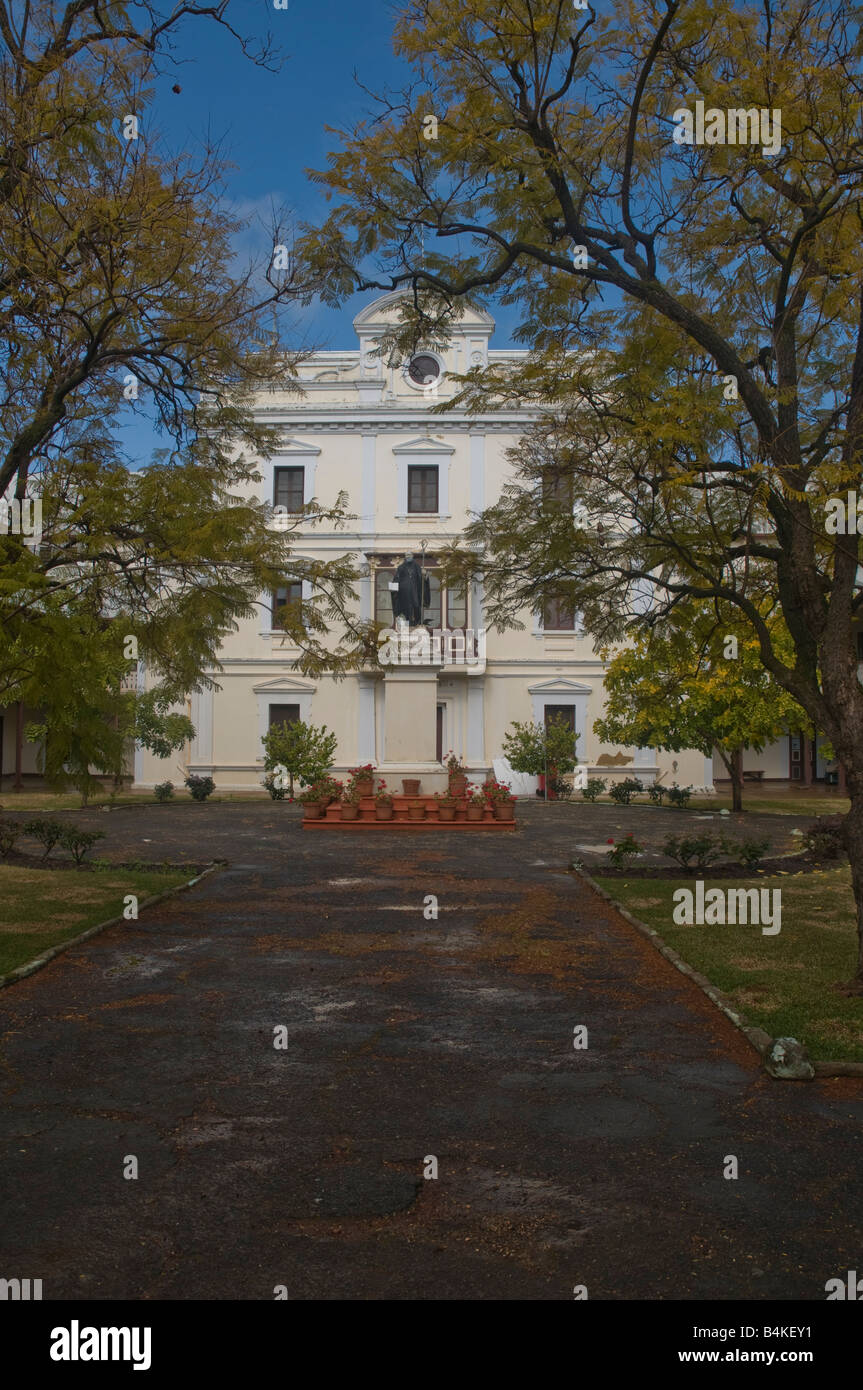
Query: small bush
x=561, y=788
x=275, y=785
x=200, y=787
x=656, y=793
x=79, y=842
x=9, y=833
x=592, y=788
x=622, y=850
x=623, y=792
x=703, y=849
x=47, y=832
x=164, y=791
x=751, y=852
x=823, y=838
x=679, y=796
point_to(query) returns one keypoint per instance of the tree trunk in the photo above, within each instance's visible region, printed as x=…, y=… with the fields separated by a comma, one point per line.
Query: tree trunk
x=18, y=784
x=852, y=829
x=737, y=780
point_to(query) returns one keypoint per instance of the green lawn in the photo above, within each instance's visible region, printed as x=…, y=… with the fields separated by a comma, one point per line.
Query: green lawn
x=41, y=907
x=784, y=983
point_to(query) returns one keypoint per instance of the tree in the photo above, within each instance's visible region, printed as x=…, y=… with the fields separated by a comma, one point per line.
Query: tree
x=694, y=682
x=118, y=290
x=725, y=276
x=305, y=751
x=541, y=750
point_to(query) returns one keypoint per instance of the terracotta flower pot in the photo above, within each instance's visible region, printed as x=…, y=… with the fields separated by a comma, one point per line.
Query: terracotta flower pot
x=313, y=810
x=504, y=810
x=366, y=787
x=457, y=784
x=350, y=811
x=475, y=812
x=417, y=810
x=383, y=813
x=446, y=812
x=410, y=786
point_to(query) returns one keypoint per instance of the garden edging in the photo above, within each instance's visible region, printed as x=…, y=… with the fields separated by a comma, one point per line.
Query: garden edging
x=47, y=956
x=755, y=1036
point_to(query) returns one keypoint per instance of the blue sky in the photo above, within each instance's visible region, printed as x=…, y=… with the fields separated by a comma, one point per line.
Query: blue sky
x=272, y=124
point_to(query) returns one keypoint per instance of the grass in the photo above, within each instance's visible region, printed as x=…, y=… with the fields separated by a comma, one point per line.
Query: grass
x=39, y=908
x=13, y=802
x=785, y=983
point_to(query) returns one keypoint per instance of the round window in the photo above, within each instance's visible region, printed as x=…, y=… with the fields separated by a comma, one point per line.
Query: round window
x=423, y=369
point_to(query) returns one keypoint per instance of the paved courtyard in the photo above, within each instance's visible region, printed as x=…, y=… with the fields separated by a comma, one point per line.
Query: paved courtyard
x=407, y=1037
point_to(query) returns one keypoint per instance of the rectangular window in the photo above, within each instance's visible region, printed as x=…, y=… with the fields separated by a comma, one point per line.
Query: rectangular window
x=289, y=593
x=561, y=714
x=558, y=488
x=383, y=597
x=284, y=714
x=422, y=488
x=289, y=488
x=456, y=608
x=558, y=614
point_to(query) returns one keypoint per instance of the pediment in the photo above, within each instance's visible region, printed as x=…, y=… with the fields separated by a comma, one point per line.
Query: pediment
x=294, y=446
x=423, y=444
x=383, y=312
x=560, y=686
x=284, y=685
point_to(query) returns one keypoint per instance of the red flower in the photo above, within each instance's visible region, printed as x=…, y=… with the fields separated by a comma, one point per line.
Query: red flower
x=610, y=841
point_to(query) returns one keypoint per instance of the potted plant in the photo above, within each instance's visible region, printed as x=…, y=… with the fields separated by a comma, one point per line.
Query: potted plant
x=476, y=803
x=350, y=805
x=446, y=805
x=502, y=800
x=312, y=802
x=329, y=789
x=416, y=810
x=383, y=803
x=363, y=777
x=457, y=774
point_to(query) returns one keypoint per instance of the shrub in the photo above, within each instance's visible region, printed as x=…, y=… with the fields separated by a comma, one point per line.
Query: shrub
x=823, y=838
x=562, y=789
x=200, y=787
x=623, y=792
x=751, y=852
x=656, y=793
x=305, y=751
x=79, y=842
x=164, y=791
x=9, y=832
x=619, y=854
x=704, y=849
x=592, y=788
x=47, y=832
x=275, y=784
x=539, y=748
x=679, y=796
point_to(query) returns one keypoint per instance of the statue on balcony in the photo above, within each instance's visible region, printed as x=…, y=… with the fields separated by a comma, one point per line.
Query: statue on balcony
x=410, y=591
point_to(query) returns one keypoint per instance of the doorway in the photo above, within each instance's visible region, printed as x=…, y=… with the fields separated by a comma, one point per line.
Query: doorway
x=439, y=732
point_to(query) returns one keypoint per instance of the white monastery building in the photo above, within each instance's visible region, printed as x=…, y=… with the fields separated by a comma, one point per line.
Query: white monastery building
x=413, y=480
